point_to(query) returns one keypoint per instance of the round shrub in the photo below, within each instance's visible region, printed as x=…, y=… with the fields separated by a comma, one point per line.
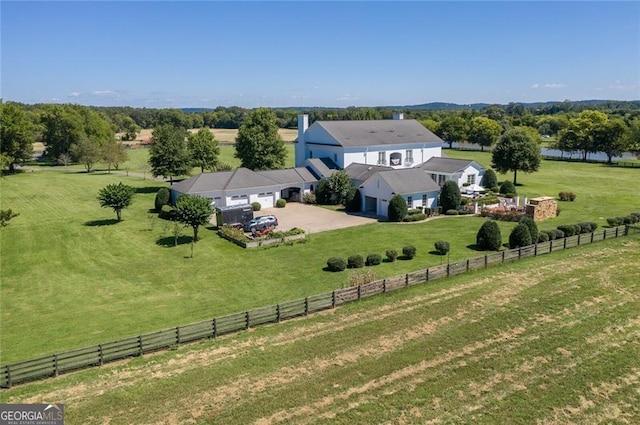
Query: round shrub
x=355, y=261
x=336, y=264
x=543, y=237
x=495, y=189
x=560, y=234
x=281, y=203
x=309, y=198
x=452, y=212
x=450, y=196
x=162, y=198
x=397, y=209
x=391, y=254
x=489, y=179
x=167, y=212
x=533, y=228
x=567, y=229
x=520, y=236
x=612, y=222
x=256, y=206
x=489, y=236
x=551, y=234
x=374, y=259
x=507, y=188
x=409, y=252
x=442, y=247
x=415, y=217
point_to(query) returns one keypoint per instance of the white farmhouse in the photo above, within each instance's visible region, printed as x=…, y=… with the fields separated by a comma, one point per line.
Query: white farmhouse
x=397, y=143
x=461, y=171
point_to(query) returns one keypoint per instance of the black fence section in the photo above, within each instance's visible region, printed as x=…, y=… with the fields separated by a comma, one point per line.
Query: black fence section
x=96, y=355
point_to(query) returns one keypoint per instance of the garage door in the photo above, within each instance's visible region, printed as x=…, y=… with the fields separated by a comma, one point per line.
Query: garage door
x=370, y=204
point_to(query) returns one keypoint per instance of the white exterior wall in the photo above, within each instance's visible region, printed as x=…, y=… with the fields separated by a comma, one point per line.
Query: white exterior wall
x=416, y=202
x=469, y=171
x=369, y=155
x=247, y=196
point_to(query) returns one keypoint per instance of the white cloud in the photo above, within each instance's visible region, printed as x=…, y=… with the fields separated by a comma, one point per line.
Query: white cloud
x=535, y=86
x=74, y=94
x=619, y=85
x=104, y=93
x=555, y=86
x=347, y=98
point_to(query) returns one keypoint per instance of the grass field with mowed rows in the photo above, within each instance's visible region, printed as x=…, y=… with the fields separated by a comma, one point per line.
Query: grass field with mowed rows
x=550, y=340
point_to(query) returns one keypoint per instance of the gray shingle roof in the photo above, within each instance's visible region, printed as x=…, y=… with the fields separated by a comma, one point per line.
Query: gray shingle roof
x=378, y=132
x=445, y=165
x=289, y=175
x=409, y=181
x=325, y=166
x=362, y=172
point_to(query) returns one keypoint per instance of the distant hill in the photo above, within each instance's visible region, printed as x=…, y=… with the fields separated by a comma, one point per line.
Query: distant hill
x=448, y=106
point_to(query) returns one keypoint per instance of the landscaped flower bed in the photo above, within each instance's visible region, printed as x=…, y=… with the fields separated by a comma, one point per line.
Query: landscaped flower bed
x=238, y=237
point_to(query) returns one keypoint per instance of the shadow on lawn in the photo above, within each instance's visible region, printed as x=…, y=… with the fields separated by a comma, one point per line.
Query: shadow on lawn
x=170, y=241
x=147, y=189
x=105, y=222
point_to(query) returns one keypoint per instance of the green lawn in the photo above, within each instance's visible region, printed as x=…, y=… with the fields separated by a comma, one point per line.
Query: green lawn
x=551, y=340
x=73, y=278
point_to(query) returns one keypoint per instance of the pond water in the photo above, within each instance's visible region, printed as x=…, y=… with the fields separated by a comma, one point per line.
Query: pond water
x=598, y=156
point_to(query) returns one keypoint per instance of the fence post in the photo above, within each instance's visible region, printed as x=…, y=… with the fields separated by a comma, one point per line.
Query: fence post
x=617, y=231
x=278, y=312
x=100, y=354
x=359, y=291
x=565, y=243
x=592, y=236
x=467, y=265
x=140, y=345
x=427, y=276
x=626, y=229
x=55, y=365
x=503, y=256
x=333, y=299
x=448, y=268
x=406, y=279
x=519, y=252
x=246, y=318
x=604, y=236
x=486, y=261
x=384, y=286
x=8, y=377
x=535, y=250
x=306, y=306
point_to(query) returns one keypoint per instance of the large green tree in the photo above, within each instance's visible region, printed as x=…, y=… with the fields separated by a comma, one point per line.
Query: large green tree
x=581, y=134
x=633, y=137
x=113, y=154
x=610, y=138
x=194, y=211
x=169, y=156
x=204, y=150
x=516, y=151
x=16, y=135
x=86, y=152
x=117, y=196
x=484, y=131
x=453, y=129
x=258, y=144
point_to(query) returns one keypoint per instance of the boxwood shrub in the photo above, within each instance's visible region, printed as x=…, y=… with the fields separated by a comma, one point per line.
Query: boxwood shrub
x=256, y=206
x=567, y=229
x=355, y=261
x=409, y=252
x=442, y=247
x=543, y=237
x=336, y=264
x=162, y=198
x=520, y=236
x=374, y=259
x=392, y=255
x=281, y=203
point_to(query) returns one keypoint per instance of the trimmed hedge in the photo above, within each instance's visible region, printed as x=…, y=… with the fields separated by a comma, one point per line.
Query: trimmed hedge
x=567, y=196
x=336, y=264
x=281, y=203
x=520, y=236
x=409, y=252
x=508, y=188
x=392, y=255
x=355, y=261
x=374, y=259
x=162, y=198
x=489, y=236
x=533, y=227
x=256, y=206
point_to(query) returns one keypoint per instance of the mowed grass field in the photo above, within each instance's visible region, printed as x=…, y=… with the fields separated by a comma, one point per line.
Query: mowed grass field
x=71, y=277
x=551, y=340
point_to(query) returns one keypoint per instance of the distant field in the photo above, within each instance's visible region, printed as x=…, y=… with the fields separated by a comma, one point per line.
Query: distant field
x=552, y=340
x=223, y=135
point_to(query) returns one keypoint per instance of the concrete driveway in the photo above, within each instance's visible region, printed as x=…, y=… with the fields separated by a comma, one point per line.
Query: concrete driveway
x=313, y=219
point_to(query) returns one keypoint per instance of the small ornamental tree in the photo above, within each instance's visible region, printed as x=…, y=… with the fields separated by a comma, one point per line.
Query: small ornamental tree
x=355, y=261
x=489, y=236
x=117, y=196
x=442, y=247
x=450, y=196
x=533, y=228
x=520, y=236
x=489, y=179
x=397, y=210
x=339, y=186
x=162, y=198
x=193, y=211
x=409, y=252
x=508, y=188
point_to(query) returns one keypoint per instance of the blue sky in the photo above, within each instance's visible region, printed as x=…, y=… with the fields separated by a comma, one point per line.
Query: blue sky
x=207, y=54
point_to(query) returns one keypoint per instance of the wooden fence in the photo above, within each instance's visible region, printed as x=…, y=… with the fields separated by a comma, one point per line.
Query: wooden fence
x=616, y=163
x=96, y=355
